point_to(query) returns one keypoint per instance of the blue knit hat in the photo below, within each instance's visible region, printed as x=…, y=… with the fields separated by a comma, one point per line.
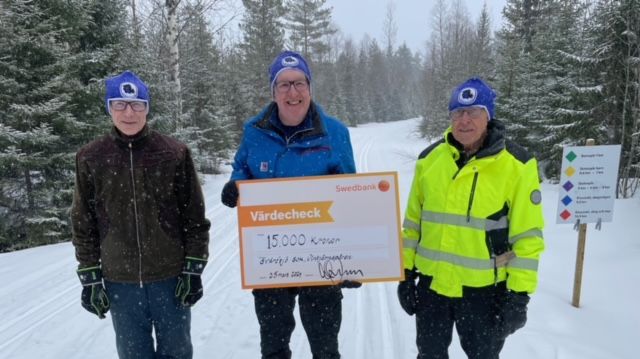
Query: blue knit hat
x=126, y=87
x=288, y=60
x=474, y=93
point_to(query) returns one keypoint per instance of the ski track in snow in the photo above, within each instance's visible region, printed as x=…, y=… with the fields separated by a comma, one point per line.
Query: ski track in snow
x=42, y=316
x=223, y=322
x=222, y=277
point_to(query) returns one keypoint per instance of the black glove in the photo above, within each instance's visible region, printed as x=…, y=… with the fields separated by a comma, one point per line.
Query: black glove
x=350, y=284
x=512, y=312
x=189, y=288
x=407, y=292
x=229, y=196
x=94, y=297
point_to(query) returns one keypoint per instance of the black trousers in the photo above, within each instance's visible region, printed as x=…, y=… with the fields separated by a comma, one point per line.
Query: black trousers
x=320, y=313
x=474, y=316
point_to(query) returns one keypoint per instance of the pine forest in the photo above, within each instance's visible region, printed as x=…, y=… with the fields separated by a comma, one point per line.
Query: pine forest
x=564, y=70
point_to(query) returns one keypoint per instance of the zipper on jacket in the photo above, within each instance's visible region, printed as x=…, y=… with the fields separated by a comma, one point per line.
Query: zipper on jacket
x=473, y=191
x=287, y=140
x=135, y=212
x=461, y=162
x=456, y=174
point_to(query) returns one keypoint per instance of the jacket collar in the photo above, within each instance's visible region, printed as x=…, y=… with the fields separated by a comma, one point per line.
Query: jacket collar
x=493, y=142
x=136, y=140
x=312, y=122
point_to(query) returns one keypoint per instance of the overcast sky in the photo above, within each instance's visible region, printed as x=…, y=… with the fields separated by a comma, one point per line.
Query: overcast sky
x=357, y=17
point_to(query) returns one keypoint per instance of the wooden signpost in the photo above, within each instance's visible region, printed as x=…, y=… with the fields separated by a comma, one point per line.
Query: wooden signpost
x=588, y=183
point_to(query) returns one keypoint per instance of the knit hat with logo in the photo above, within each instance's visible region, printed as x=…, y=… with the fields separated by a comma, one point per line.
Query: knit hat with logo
x=288, y=60
x=474, y=93
x=126, y=87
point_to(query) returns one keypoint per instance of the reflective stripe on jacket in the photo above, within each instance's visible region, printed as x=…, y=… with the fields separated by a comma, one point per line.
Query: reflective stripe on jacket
x=459, y=219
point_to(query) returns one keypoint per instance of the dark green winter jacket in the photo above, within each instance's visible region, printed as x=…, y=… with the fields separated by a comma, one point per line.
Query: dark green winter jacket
x=138, y=208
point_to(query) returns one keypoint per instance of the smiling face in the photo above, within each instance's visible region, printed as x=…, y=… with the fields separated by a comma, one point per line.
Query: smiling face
x=128, y=121
x=469, y=126
x=293, y=103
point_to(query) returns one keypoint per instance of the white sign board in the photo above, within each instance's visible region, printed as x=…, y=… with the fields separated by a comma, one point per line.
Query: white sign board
x=588, y=184
x=319, y=230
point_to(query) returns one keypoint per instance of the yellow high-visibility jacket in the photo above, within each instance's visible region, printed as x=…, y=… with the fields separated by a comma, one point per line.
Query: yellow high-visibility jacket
x=463, y=214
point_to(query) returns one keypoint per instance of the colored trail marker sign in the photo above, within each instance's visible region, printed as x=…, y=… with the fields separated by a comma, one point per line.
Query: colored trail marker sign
x=588, y=184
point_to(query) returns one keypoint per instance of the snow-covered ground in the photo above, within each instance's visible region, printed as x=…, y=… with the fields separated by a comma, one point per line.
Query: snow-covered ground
x=41, y=316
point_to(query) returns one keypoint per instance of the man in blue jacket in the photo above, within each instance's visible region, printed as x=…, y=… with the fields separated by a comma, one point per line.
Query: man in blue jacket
x=293, y=137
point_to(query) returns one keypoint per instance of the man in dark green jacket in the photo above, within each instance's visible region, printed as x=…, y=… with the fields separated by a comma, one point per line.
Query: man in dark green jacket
x=138, y=220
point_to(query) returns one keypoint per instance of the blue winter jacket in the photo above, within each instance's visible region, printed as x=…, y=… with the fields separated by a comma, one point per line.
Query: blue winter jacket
x=320, y=146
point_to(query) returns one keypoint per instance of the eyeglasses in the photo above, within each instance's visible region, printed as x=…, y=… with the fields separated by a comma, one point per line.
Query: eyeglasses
x=136, y=106
x=284, y=86
x=474, y=113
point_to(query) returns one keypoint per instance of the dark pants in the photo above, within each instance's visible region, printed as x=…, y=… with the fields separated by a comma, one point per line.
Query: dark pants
x=136, y=311
x=320, y=312
x=474, y=316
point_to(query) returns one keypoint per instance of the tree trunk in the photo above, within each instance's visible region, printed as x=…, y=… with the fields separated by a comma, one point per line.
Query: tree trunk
x=29, y=188
x=629, y=180
x=136, y=25
x=174, y=57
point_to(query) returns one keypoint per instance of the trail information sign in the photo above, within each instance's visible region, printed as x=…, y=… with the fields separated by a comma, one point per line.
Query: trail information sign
x=588, y=184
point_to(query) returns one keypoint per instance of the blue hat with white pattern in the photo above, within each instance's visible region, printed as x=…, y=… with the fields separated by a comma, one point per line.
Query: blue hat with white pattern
x=474, y=93
x=126, y=87
x=288, y=60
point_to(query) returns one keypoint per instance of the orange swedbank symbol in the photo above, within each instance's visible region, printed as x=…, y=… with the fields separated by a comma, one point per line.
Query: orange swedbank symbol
x=383, y=185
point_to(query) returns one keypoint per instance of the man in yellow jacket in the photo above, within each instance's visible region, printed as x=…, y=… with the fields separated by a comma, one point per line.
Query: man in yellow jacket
x=472, y=232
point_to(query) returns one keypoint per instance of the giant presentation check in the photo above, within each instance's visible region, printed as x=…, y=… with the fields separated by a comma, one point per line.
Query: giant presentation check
x=319, y=230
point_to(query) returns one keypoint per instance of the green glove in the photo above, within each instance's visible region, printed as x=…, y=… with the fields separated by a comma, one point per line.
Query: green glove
x=189, y=289
x=94, y=297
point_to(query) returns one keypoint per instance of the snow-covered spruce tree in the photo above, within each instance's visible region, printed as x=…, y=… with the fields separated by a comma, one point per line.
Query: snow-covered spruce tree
x=94, y=56
x=363, y=101
x=545, y=96
x=205, y=126
x=147, y=54
x=404, y=76
x=346, y=67
x=196, y=118
x=483, y=47
x=377, y=83
x=309, y=25
x=615, y=30
x=53, y=53
x=310, y=31
x=450, y=59
x=399, y=69
x=330, y=84
x=513, y=48
x=263, y=39
x=566, y=94
x=153, y=54
x=233, y=90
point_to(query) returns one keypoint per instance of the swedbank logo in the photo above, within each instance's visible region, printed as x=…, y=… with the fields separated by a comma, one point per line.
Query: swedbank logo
x=382, y=186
